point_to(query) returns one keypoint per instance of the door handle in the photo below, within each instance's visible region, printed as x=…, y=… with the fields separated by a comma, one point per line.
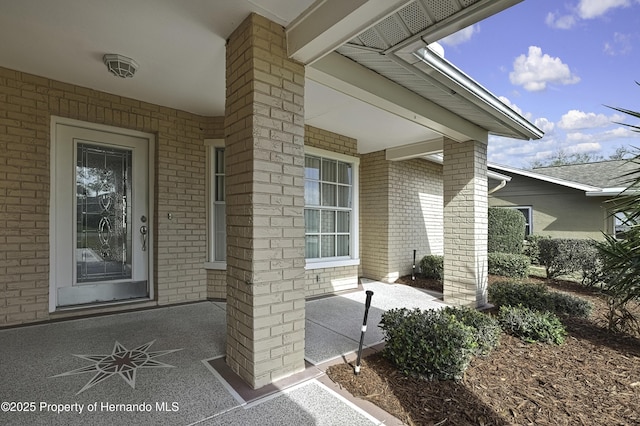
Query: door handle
x=143, y=231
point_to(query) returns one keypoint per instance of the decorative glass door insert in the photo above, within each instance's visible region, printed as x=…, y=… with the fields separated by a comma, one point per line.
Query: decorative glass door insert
x=103, y=210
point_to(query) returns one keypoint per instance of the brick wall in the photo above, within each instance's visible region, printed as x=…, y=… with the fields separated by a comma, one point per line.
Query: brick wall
x=415, y=221
x=27, y=103
x=330, y=141
x=374, y=215
x=400, y=210
x=264, y=151
x=465, y=223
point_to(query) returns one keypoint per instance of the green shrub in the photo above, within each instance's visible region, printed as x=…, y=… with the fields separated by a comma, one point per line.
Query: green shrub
x=487, y=330
x=505, y=231
x=508, y=265
x=531, y=248
x=531, y=326
x=566, y=304
x=537, y=297
x=432, y=266
x=428, y=344
x=562, y=256
x=514, y=293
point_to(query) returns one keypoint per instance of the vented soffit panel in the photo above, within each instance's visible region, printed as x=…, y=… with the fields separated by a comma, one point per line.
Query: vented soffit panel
x=425, y=21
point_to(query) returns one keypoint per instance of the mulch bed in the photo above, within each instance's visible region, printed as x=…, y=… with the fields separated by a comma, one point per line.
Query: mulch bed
x=592, y=379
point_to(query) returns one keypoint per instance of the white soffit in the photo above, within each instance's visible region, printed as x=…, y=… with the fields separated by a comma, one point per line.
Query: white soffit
x=374, y=128
x=351, y=78
x=328, y=24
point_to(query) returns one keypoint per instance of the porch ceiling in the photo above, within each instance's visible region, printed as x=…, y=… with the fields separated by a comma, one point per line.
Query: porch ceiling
x=180, y=47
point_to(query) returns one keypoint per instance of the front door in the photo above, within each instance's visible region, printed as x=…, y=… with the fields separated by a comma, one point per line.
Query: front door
x=101, y=227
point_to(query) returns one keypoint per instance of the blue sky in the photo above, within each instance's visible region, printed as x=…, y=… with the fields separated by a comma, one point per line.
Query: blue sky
x=558, y=63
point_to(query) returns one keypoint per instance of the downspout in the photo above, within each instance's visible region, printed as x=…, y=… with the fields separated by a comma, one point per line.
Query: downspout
x=498, y=187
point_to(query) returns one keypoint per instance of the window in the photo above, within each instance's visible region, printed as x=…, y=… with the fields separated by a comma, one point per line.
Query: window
x=330, y=185
x=527, y=212
x=621, y=224
x=217, y=224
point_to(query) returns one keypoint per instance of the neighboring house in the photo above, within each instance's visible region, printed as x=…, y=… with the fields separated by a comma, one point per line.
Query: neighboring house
x=568, y=201
x=263, y=152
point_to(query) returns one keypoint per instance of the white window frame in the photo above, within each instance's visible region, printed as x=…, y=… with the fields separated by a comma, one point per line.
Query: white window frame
x=211, y=145
x=354, y=257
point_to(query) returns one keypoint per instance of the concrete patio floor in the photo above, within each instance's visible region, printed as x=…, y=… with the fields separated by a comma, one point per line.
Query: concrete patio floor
x=166, y=366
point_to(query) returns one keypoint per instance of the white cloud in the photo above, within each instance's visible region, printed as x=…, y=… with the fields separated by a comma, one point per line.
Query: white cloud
x=589, y=9
x=564, y=22
x=574, y=120
x=534, y=71
x=621, y=45
x=584, y=9
x=511, y=105
x=618, y=133
x=545, y=125
x=461, y=36
x=583, y=148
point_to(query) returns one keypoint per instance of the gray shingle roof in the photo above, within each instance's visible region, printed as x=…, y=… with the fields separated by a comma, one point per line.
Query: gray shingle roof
x=602, y=174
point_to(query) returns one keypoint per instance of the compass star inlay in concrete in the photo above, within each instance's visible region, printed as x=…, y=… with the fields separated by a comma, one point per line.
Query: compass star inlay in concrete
x=122, y=361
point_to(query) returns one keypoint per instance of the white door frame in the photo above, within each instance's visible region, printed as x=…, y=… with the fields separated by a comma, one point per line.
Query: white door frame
x=55, y=121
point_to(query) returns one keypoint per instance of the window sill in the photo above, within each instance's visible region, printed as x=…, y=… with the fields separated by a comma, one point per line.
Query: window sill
x=321, y=264
x=216, y=266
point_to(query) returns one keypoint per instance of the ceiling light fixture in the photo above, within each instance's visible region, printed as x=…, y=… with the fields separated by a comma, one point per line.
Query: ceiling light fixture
x=120, y=66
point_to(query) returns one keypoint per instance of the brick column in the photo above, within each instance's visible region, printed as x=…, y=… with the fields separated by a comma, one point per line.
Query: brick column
x=465, y=223
x=264, y=137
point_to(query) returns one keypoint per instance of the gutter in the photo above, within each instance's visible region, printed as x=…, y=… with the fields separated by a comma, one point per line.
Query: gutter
x=501, y=185
x=610, y=192
x=456, y=82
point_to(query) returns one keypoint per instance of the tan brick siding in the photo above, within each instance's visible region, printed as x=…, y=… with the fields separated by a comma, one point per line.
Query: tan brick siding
x=465, y=223
x=27, y=103
x=400, y=211
x=416, y=214
x=264, y=127
x=330, y=280
x=216, y=284
x=324, y=139
x=374, y=215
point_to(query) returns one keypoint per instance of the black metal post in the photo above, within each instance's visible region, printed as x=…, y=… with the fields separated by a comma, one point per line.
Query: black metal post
x=367, y=304
x=413, y=268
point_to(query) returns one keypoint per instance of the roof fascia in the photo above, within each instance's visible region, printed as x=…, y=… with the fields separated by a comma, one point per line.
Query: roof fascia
x=608, y=192
x=549, y=179
x=456, y=82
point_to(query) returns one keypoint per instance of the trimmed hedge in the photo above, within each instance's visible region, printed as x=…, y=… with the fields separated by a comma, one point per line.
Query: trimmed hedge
x=506, y=230
x=530, y=325
x=561, y=256
x=428, y=344
x=432, y=266
x=508, y=265
x=537, y=297
x=531, y=248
